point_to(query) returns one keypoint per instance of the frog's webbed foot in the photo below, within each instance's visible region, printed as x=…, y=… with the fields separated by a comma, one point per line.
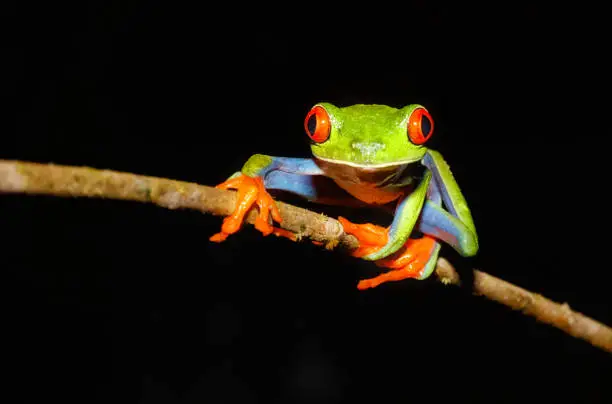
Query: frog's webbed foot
x=371, y=237
x=410, y=261
x=251, y=191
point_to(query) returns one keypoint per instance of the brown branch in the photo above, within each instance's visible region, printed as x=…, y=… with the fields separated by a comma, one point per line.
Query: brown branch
x=532, y=304
x=68, y=181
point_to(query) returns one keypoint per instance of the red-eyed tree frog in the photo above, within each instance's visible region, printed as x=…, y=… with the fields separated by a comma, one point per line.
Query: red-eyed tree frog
x=366, y=155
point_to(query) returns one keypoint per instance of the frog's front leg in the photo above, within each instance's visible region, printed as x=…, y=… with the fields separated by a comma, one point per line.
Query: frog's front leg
x=298, y=176
x=250, y=182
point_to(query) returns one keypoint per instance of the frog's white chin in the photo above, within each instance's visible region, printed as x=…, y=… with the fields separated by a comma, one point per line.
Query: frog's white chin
x=369, y=166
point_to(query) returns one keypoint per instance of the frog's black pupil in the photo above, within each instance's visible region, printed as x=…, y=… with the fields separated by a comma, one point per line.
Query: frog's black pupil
x=312, y=124
x=425, y=125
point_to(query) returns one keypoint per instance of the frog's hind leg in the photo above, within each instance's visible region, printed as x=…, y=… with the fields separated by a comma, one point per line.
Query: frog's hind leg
x=416, y=259
x=437, y=225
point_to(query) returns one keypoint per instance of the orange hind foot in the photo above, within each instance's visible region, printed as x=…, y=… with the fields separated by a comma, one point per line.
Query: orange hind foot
x=408, y=262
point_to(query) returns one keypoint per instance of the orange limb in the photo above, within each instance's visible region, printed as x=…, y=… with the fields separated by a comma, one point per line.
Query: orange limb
x=408, y=262
x=251, y=191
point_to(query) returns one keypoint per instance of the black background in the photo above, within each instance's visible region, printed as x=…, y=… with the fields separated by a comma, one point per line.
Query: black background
x=112, y=301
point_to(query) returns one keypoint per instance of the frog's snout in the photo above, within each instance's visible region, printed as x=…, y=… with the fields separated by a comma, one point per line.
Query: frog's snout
x=367, y=150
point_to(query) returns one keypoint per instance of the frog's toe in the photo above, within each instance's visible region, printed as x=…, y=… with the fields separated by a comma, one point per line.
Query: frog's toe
x=231, y=224
x=277, y=231
x=263, y=225
x=267, y=207
x=218, y=237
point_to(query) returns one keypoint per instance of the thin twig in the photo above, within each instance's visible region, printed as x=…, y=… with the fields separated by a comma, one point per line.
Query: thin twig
x=68, y=181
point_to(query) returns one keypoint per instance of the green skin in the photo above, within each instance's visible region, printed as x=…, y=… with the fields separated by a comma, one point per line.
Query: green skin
x=367, y=153
x=382, y=127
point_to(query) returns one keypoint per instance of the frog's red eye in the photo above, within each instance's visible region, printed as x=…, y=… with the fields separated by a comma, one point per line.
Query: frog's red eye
x=317, y=124
x=420, y=126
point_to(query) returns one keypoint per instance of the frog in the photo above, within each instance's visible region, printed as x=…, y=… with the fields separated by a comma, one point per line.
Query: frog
x=366, y=155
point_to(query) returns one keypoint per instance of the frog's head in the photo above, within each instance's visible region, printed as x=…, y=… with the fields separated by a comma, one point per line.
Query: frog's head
x=368, y=136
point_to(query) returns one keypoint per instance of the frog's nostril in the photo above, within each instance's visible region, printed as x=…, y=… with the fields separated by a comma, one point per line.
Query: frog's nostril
x=367, y=149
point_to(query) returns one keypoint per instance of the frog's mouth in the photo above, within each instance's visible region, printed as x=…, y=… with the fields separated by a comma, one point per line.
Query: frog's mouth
x=375, y=174
x=367, y=166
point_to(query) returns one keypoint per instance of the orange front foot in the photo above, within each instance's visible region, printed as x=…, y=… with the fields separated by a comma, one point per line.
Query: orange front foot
x=251, y=191
x=371, y=237
x=408, y=262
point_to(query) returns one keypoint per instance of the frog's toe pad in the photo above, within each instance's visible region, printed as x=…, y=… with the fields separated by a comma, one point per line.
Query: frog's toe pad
x=218, y=237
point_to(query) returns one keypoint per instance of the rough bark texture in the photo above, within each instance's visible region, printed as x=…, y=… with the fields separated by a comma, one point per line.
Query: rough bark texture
x=67, y=181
